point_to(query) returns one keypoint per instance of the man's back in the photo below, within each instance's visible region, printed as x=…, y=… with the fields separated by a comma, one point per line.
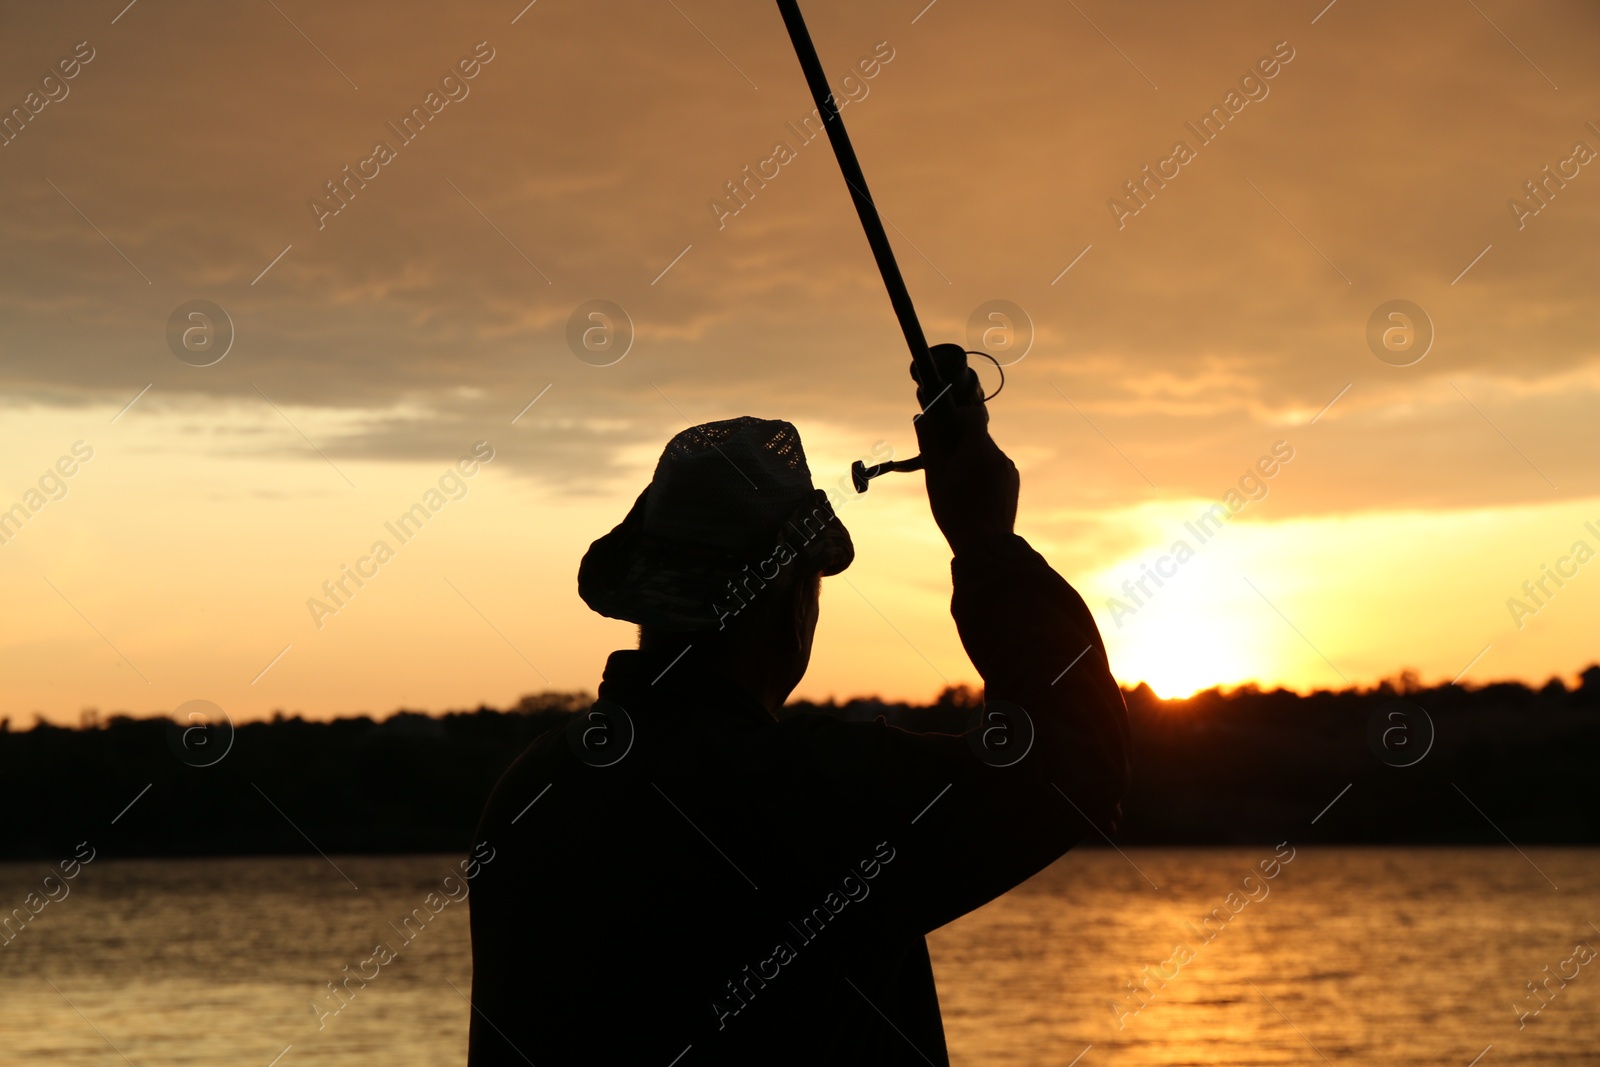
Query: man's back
x=689, y=874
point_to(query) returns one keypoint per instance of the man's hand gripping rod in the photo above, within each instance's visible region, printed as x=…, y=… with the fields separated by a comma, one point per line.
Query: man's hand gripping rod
x=943, y=378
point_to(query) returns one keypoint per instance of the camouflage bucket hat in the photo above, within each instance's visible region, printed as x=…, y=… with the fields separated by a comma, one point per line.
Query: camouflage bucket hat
x=730, y=509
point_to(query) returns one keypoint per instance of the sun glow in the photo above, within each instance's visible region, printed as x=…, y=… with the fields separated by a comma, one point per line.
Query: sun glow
x=1178, y=658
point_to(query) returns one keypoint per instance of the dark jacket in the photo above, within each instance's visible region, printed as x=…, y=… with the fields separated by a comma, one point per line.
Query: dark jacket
x=737, y=890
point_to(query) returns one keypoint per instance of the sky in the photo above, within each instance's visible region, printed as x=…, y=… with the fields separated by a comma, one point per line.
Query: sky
x=1184, y=306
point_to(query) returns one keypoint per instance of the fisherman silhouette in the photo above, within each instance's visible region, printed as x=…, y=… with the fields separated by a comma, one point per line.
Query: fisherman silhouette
x=680, y=877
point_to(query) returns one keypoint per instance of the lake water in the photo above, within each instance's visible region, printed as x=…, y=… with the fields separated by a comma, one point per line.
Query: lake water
x=1373, y=956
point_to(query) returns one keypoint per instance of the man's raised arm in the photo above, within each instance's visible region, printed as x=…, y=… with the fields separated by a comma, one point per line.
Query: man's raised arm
x=1048, y=762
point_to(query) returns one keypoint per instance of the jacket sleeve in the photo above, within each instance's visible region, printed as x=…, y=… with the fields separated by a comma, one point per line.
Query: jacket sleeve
x=969, y=816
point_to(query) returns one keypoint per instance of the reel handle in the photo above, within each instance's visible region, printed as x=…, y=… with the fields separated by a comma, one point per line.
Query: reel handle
x=958, y=386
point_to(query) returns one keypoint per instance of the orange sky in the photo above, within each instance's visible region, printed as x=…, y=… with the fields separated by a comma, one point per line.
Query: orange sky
x=587, y=157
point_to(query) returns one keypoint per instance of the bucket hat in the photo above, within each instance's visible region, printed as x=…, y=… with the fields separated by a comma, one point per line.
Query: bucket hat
x=730, y=509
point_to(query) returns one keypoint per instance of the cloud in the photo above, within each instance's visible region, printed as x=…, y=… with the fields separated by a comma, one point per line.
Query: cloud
x=589, y=149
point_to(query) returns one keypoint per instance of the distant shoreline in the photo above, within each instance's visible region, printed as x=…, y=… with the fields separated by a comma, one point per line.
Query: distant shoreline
x=1394, y=765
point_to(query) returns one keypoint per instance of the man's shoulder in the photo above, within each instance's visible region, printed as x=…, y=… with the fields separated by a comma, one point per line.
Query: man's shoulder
x=835, y=745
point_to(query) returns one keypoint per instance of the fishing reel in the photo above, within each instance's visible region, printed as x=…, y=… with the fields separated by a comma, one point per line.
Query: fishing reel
x=956, y=385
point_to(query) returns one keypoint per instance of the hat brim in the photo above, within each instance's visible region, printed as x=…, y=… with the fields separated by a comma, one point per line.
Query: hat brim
x=673, y=585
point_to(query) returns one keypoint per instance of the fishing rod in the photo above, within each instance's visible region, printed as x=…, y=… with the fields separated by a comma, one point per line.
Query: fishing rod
x=941, y=372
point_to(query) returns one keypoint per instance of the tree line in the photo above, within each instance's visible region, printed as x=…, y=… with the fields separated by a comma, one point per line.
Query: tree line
x=1395, y=763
